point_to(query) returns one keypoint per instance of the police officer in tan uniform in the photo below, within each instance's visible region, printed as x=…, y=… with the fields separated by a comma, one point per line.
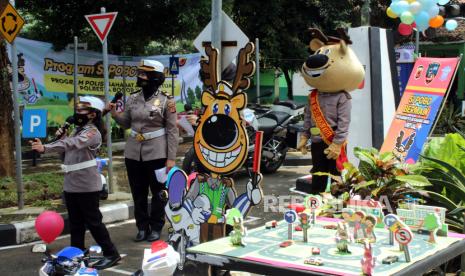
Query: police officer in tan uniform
x=151, y=115
x=82, y=182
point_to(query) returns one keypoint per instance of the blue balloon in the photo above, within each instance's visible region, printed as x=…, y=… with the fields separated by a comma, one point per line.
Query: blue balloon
x=433, y=11
x=451, y=24
x=426, y=4
x=400, y=6
x=443, y=2
x=422, y=20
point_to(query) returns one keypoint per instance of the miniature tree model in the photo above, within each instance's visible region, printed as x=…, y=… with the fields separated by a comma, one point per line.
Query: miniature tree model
x=432, y=223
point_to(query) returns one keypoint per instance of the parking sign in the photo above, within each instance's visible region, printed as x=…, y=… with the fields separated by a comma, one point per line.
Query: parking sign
x=35, y=123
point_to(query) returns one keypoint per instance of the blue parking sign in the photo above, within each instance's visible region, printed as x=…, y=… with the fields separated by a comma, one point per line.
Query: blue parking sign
x=34, y=123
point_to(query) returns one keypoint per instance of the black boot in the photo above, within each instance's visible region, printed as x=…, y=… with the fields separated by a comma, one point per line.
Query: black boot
x=154, y=236
x=107, y=262
x=141, y=235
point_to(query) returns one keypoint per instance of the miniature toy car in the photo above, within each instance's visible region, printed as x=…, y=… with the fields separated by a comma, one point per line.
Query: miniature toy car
x=315, y=251
x=390, y=259
x=330, y=226
x=313, y=261
x=298, y=228
x=274, y=223
x=268, y=225
x=286, y=243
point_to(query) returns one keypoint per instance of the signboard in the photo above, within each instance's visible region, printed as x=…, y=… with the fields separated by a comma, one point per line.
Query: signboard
x=233, y=39
x=427, y=86
x=403, y=236
x=101, y=23
x=35, y=123
x=10, y=23
x=174, y=65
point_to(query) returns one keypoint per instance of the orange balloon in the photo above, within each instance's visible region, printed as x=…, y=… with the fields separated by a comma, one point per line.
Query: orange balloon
x=436, y=21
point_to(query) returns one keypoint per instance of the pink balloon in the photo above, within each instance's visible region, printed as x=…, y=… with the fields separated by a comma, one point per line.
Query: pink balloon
x=404, y=29
x=49, y=226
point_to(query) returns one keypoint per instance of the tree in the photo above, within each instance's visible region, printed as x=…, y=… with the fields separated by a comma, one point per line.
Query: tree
x=432, y=223
x=6, y=111
x=282, y=25
x=190, y=95
x=198, y=93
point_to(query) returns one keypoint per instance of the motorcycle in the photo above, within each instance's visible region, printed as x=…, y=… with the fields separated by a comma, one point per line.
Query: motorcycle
x=70, y=261
x=274, y=121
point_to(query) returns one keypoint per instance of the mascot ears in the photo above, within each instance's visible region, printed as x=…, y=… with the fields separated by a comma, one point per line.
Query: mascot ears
x=316, y=44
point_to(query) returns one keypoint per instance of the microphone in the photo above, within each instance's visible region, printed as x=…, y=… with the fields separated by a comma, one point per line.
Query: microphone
x=69, y=121
x=115, y=99
x=188, y=108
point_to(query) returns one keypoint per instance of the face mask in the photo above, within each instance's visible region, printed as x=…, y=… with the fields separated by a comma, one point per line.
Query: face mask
x=80, y=119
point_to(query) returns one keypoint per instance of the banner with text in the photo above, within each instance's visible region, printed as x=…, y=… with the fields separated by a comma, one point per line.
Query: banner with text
x=429, y=82
x=46, y=77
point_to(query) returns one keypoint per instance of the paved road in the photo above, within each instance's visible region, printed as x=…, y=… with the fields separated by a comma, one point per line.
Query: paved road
x=20, y=261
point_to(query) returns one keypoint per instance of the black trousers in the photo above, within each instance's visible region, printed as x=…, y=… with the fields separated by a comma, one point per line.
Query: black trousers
x=141, y=176
x=83, y=212
x=321, y=164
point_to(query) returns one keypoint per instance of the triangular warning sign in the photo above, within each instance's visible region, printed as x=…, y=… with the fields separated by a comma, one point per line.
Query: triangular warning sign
x=101, y=23
x=174, y=66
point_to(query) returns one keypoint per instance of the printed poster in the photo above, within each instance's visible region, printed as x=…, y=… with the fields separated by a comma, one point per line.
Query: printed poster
x=426, y=88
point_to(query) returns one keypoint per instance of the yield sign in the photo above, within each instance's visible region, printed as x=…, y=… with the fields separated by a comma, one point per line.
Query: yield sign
x=101, y=23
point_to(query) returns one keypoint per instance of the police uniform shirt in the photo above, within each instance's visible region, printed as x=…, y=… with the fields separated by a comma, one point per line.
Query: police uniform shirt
x=142, y=116
x=80, y=146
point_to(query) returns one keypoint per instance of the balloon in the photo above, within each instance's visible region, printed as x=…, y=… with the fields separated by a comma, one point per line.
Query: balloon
x=422, y=19
x=451, y=24
x=400, y=6
x=407, y=17
x=436, y=21
x=411, y=1
x=426, y=4
x=49, y=226
x=433, y=11
x=390, y=13
x=415, y=7
x=404, y=29
x=443, y=2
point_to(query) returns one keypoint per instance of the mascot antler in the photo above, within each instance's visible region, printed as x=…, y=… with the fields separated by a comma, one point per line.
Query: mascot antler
x=245, y=68
x=209, y=67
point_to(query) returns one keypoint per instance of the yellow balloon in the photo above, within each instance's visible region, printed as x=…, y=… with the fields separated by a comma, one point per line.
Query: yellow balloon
x=411, y=1
x=390, y=13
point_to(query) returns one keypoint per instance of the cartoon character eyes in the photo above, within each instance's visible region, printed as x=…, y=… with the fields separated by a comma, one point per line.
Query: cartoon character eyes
x=215, y=108
x=318, y=52
x=327, y=51
x=227, y=109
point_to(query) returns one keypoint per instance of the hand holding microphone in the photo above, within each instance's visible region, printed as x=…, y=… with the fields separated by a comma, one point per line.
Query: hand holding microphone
x=112, y=104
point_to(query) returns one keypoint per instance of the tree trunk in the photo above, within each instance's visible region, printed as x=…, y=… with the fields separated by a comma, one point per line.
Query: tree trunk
x=6, y=112
x=290, y=94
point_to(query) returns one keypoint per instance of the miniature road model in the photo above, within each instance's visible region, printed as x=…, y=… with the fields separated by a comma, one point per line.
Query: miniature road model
x=313, y=261
x=390, y=259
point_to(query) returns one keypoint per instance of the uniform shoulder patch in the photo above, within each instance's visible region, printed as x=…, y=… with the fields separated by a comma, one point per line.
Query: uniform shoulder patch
x=168, y=95
x=171, y=106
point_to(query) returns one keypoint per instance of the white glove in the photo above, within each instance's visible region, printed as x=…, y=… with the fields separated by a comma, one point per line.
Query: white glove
x=197, y=216
x=254, y=195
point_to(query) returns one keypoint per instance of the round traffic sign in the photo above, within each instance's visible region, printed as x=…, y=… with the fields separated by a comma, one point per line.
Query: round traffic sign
x=390, y=219
x=403, y=236
x=290, y=216
x=313, y=202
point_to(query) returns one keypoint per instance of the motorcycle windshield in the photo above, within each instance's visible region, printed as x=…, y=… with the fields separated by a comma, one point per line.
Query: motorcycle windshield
x=70, y=252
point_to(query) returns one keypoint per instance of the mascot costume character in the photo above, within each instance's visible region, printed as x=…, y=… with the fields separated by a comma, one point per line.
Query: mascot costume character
x=333, y=70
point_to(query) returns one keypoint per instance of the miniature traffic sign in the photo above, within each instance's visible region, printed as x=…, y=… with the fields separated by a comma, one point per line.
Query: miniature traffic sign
x=101, y=23
x=404, y=236
x=174, y=65
x=313, y=202
x=389, y=220
x=290, y=217
x=305, y=224
x=11, y=23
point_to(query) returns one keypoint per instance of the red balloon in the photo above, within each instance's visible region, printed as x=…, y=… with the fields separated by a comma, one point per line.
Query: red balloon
x=404, y=29
x=49, y=226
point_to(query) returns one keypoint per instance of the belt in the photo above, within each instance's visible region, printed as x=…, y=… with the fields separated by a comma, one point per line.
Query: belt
x=148, y=135
x=79, y=166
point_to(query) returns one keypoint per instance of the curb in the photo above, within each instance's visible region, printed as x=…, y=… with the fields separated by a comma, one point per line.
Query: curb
x=24, y=232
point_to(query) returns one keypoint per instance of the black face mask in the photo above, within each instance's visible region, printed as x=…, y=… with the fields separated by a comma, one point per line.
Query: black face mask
x=80, y=119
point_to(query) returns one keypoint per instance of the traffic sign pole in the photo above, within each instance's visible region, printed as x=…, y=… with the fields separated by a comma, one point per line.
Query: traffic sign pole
x=19, y=159
x=172, y=78
x=75, y=75
x=108, y=118
x=217, y=26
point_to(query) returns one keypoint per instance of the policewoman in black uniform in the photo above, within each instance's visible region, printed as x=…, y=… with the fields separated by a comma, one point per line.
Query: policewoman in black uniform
x=82, y=182
x=151, y=115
